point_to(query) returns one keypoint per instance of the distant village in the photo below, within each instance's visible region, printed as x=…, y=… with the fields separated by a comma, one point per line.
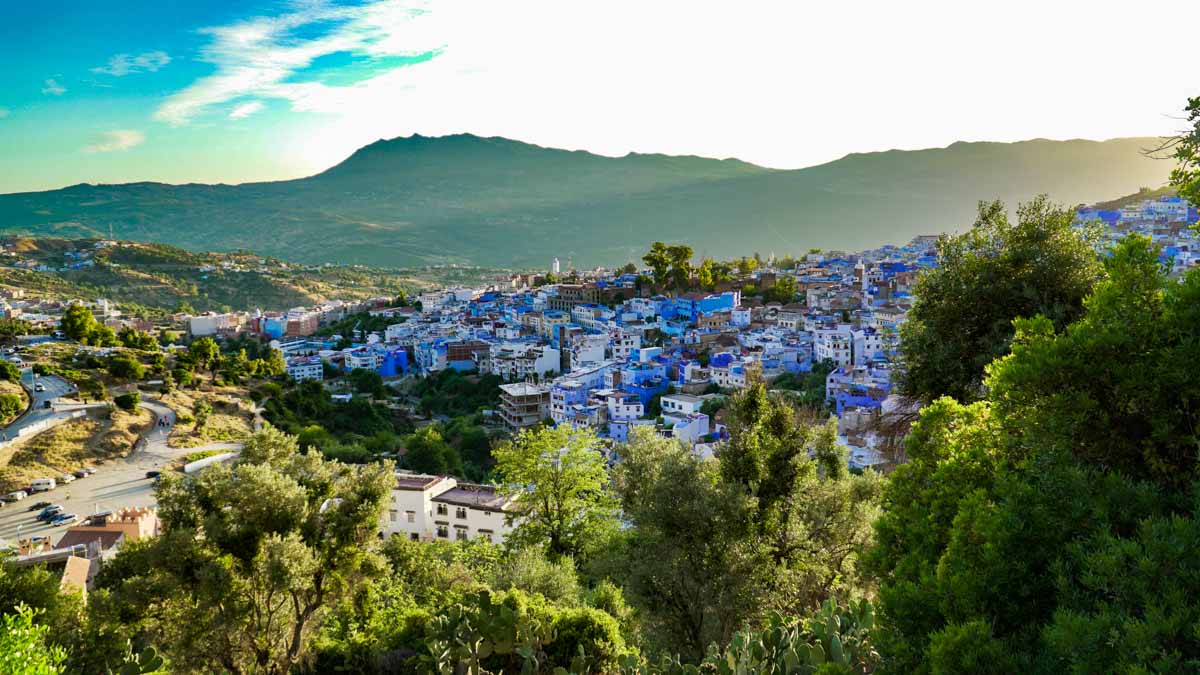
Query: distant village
x=604, y=352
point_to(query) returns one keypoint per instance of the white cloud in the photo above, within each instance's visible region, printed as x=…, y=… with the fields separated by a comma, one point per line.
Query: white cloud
x=54, y=88
x=124, y=64
x=245, y=110
x=117, y=140
x=256, y=56
x=780, y=84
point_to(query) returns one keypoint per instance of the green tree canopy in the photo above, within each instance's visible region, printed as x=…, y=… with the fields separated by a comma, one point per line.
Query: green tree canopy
x=1044, y=527
x=252, y=556
x=996, y=272
x=560, y=480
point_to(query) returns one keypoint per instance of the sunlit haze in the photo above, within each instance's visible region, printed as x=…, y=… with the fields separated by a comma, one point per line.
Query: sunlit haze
x=238, y=91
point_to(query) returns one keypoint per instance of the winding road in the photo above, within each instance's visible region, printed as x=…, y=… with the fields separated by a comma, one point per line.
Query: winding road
x=115, y=484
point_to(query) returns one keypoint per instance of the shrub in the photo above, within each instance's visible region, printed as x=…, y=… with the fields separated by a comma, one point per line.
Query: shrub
x=128, y=402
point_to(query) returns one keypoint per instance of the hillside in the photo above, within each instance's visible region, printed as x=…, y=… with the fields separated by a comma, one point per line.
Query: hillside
x=493, y=201
x=157, y=276
x=1136, y=198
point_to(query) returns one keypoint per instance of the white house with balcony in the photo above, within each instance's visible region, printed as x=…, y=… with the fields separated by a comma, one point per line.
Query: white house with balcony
x=426, y=508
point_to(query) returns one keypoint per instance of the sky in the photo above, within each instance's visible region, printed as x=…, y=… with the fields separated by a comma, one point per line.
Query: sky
x=242, y=90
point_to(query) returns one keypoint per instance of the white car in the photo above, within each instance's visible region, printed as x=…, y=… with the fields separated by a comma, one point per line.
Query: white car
x=15, y=496
x=66, y=478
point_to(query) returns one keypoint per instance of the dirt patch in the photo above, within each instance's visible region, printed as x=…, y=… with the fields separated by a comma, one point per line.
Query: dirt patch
x=73, y=445
x=232, y=417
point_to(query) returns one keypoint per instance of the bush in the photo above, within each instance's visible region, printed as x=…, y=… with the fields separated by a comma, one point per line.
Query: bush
x=589, y=631
x=10, y=406
x=126, y=367
x=128, y=402
x=9, y=372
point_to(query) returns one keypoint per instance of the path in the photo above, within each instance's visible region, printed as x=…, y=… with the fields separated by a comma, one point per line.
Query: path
x=118, y=483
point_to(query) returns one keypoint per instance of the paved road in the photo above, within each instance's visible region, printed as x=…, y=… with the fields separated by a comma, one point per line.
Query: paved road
x=55, y=388
x=116, y=484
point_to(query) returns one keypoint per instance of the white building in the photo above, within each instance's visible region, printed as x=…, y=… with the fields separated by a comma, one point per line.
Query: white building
x=624, y=344
x=305, y=368
x=681, y=404
x=835, y=345
x=425, y=508
x=518, y=360
x=868, y=345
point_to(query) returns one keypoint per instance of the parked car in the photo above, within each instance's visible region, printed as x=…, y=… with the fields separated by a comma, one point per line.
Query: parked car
x=66, y=478
x=153, y=474
x=64, y=519
x=50, y=513
x=38, y=506
x=39, y=387
x=89, y=470
x=80, y=474
x=15, y=496
x=47, y=404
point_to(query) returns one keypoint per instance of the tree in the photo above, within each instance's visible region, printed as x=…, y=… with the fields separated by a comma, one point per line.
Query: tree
x=137, y=339
x=253, y=556
x=681, y=265
x=201, y=410
x=746, y=266
x=128, y=402
x=78, y=323
x=9, y=372
x=11, y=405
x=783, y=291
x=11, y=329
x=368, y=382
x=126, y=367
x=560, y=483
x=23, y=645
x=205, y=353
x=997, y=272
x=273, y=365
x=705, y=274
x=629, y=268
x=427, y=452
x=1014, y=534
x=1186, y=147
x=659, y=262
x=690, y=564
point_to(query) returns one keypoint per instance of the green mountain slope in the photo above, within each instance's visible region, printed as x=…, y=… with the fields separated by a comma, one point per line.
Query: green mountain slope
x=493, y=201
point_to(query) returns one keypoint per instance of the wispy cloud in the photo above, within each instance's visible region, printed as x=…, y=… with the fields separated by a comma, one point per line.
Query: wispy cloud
x=117, y=140
x=53, y=88
x=258, y=56
x=245, y=110
x=124, y=64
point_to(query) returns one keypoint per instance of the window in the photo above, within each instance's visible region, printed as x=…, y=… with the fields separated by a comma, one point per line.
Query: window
x=411, y=515
x=441, y=509
x=414, y=536
x=460, y=533
x=485, y=534
x=443, y=532
x=460, y=513
x=392, y=514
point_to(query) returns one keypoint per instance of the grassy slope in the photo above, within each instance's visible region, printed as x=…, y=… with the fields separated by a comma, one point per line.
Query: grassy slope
x=70, y=446
x=159, y=276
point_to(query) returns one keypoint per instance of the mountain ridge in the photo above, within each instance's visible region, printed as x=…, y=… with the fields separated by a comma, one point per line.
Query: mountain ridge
x=496, y=201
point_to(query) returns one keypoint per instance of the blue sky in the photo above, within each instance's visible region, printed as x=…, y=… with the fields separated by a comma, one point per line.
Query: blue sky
x=223, y=91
